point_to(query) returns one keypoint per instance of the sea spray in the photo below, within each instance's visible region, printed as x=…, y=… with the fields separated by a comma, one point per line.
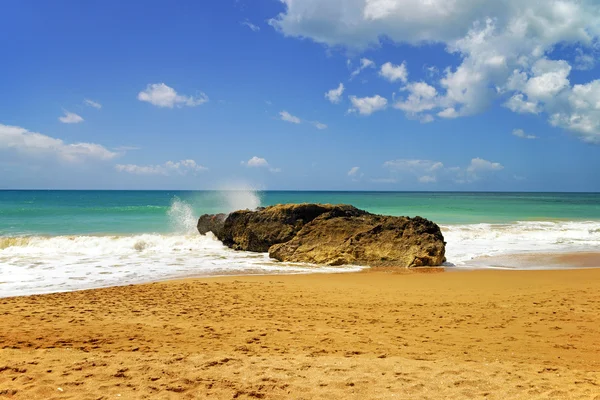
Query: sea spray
x=182, y=217
x=240, y=197
x=63, y=263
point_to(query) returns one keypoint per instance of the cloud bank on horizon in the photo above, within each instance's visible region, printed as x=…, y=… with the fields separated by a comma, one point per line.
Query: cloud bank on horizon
x=505, y=47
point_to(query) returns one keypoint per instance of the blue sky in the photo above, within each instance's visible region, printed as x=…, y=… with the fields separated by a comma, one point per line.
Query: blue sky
x=434, y=95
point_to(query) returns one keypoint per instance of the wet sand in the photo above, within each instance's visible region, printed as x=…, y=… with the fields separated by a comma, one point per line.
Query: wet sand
x=541, y=261
x=375, y=334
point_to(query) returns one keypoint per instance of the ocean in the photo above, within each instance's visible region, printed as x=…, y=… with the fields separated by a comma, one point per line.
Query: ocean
x=53, y=241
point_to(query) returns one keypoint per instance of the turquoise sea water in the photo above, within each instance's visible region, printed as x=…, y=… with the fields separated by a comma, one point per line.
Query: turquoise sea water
x=128, y=212
x=67, y=240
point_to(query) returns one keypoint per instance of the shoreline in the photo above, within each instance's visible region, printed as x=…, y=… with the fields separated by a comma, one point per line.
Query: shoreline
x=375, y=334
x=567, y=261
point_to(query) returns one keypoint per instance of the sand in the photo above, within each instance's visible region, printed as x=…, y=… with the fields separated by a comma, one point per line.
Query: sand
x=369, y=335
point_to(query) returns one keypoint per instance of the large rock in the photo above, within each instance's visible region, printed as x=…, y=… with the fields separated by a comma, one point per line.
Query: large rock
x=330, y=234
x=212, y=223
x=371, y=240
x=259, y=230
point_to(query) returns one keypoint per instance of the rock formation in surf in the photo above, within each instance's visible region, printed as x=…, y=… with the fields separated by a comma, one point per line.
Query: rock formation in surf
x=330, y=234
x=212, y=223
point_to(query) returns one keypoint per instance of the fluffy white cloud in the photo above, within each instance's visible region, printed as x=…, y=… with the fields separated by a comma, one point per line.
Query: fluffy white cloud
x=518, y=104
x=364, y=64
x=360, y=23
x=521, y=134
x=422, y=97
x=182, y=167
x=504, y=46
x=92, y=103
x=70, y=118
x=367, y=105
x=449, y=112
x=335, y=95
x=393, y=72
x=259, y=162
x=256, y=162
x=353, y=171
x=35, y=144
x=581, y=113
x=319, y=125
x=480, y=165
x=161, y=95
x=286, y=116
x=549, y=78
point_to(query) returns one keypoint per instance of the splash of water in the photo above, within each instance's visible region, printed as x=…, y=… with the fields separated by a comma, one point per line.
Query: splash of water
x=182, y=217
x=240, y=197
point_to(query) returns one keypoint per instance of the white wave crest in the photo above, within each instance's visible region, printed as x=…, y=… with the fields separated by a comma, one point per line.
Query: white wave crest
x=52, y=264
x=466, y=242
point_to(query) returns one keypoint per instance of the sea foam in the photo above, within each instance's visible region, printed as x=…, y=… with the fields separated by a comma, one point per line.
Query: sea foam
x=468, y=242
x=42, y=264
x=52, y=264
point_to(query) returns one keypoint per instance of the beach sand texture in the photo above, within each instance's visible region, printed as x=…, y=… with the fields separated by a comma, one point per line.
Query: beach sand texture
x=368, y=335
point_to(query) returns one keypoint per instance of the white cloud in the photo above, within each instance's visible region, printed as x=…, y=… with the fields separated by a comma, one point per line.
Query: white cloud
x=92, y=103
x=521, y=134
x=161, y=95
x=182, y=167
x=250, y=25
x=504, y=48
x=70, y=118
x=259, y=162
x=335, y=95
x=479, y=165
x=256, y=162
x=35, y=144
x=367, y=105
x=353, y=171
x=393, y=72
x=422, y=97
x=449, y=112
x=549, y=78
x=286, y=116
x=518, y=104
x=429, y=171
x=413, y=165
x=581, y=113
x=584, y=61
x=364, y=64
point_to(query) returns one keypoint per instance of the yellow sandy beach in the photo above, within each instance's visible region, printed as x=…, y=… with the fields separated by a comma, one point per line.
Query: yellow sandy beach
x=369, y=335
